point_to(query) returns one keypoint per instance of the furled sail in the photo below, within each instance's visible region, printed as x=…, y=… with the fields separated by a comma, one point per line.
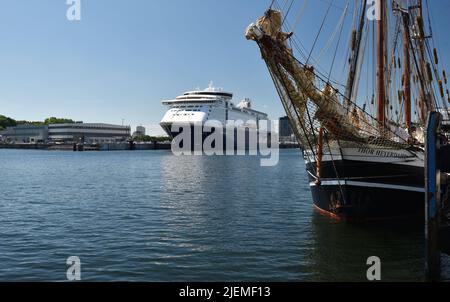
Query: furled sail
x=311, y=102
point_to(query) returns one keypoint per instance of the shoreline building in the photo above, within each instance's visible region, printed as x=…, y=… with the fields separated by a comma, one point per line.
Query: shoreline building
x=25, y=134
x=140, y=131
x=90, y=133
x=285, y=131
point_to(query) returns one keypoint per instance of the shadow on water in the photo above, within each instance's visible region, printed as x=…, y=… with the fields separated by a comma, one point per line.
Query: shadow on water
x=253, y=217
x=341, y=250
x=150, y=216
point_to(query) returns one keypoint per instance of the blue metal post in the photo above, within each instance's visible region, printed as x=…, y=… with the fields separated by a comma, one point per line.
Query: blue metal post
x=432, y=197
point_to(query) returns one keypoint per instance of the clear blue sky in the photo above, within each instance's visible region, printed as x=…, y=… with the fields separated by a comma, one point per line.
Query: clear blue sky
x=125, y=56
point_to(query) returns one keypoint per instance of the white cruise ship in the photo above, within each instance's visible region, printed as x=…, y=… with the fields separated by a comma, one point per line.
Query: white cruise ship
x=212, y=104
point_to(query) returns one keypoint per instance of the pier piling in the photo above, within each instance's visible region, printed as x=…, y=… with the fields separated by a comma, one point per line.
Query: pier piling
x=432, y=198
x=437, y=226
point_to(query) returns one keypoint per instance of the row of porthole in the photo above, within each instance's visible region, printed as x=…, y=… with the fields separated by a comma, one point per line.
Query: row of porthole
x=184, y=107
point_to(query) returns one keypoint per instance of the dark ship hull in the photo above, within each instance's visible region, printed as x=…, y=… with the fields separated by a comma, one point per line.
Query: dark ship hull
x=233, y=139
x=368, y=191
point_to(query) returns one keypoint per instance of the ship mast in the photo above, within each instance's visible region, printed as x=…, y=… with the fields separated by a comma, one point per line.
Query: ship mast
x=381, y=78
x=355, y=57
x=425, y=101
x=407, y=70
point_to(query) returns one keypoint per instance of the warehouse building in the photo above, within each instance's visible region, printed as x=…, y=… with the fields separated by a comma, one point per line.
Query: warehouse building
x=285, y=131
x=90, y=133
x=25, y=134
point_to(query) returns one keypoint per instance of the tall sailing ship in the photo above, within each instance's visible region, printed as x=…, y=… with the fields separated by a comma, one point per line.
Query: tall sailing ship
x=364, y=152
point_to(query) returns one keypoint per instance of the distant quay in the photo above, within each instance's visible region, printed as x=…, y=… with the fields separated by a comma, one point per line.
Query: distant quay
x=88, y=147
x=24, y=146
x=108, y=146
x=289, y=146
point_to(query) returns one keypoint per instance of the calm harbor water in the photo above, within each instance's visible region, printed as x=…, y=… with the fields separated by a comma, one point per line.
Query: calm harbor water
x=151, y=216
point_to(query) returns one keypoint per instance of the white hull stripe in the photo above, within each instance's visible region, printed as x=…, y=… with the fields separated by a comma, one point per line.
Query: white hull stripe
x=369, y=185
x=411, y=162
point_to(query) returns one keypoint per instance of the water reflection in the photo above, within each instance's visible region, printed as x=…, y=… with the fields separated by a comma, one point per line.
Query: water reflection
x=341, y=250
x=151, y=216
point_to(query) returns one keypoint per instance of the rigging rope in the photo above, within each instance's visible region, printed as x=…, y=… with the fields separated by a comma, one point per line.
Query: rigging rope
x=333, y=36
x=302, y=51
x=271, y=4
x=299, y=15
x=287, y=12
x=338, y=43
x=320, y=31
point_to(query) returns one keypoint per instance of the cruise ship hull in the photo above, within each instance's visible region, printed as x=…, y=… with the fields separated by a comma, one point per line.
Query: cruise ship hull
x=231, y=138
x=194, y=110
x=368, y=191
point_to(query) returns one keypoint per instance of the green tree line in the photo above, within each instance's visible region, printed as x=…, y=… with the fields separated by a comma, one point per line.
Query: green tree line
x=147, y=138
x=9, y=122
x=6, y=122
